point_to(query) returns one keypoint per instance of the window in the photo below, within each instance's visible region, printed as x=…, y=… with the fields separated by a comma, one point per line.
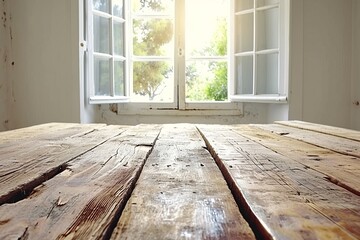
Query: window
x=187, y=54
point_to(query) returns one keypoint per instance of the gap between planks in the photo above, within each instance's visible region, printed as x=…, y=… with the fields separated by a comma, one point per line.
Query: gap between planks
x=43, y=156
x=342, y=170
x=181, y=194
x=280, y=193
x=86, y=200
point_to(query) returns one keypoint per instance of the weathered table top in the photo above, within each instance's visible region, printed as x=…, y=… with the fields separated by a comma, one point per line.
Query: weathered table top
x=287, y=180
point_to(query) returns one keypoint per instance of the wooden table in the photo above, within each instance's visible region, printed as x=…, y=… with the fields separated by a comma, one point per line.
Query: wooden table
x=287, y=180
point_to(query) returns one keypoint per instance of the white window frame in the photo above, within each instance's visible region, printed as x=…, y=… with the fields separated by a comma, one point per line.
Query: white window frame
x=282, y=51
x=232, y=106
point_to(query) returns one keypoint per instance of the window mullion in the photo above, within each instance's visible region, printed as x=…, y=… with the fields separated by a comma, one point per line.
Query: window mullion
x=279, y=47
x=231, y=50
x=90, y=49
x=112, y=52
x=254, y=50
x=179, y=53
x=129, y=41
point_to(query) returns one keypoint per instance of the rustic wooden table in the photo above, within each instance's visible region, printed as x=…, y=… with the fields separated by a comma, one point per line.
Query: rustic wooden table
x=287, y=180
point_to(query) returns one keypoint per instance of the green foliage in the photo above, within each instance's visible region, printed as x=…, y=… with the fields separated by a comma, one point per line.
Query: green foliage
x=148, y=78
x=149, y=38
x=210, y=85
x=151, y=4
x=216, y=89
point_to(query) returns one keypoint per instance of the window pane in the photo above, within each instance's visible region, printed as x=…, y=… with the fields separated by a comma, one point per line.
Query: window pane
x=267, y=73
x=153, y=81
x=150, y=6
x=102, y=76
x=244, y=74
x=206, y=80
x=268, y=29
x=101, y=34
x=244, y=33
x=206, y=31
x=119, y=78
x=241, y=5
x=102, y=5
x=153, y=37
x=119, y=38
x=118, y=8
x=261, y=3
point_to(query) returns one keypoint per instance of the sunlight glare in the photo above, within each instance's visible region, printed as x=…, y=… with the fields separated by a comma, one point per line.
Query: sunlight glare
x=202, y=18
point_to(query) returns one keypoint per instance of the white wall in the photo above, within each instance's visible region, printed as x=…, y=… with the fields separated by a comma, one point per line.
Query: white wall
x=44, y=77
x=44, y=81
x=327, y=46
x=4, y=59
x=355, y=86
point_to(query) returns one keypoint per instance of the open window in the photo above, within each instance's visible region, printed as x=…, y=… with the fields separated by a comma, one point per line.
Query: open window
x=187, y=54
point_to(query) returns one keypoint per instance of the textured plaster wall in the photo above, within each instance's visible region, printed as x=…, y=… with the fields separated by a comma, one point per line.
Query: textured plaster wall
x=39, y=81
x=327, y=51
x=5, y=59
x=44, y=63
x=355, y=86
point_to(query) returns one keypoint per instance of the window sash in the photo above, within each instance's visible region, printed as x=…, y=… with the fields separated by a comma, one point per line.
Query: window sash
x=256, y=53
x=179, y=59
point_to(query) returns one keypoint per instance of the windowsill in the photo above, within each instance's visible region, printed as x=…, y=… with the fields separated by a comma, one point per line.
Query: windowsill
x=260, y=98
x=192, y=109
x=107, y=100
x=176, y=112
x=234, y=108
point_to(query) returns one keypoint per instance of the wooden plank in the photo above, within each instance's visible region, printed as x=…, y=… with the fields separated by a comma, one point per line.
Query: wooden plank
x=26, y=163
x=85, y=200
x=282, y=198
x=336, y=131
x=342, y=170
x=40, y=130
x=181, y=194
x=334, y=143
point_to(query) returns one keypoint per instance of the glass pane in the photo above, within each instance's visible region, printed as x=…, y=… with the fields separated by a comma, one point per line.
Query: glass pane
x=267, y=73
x=119, y=78
x=102, y=76
x=261, y=3
x=206, y=81
x=151, y=6
x=241, y=5
x=268, y=29
x=244, y=75
x=153, y=81
x=119, y=38
x=118, y=8
x=244, y=33
x=101, y=34
x=206, y=31
x=101, y=5
x=153, y=37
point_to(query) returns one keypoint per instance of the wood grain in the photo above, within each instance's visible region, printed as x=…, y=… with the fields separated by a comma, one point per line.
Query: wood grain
x=289, y=180
x=26, y=164
x=282, y=198
x=330, y=130
x=85, y=200
x=42, y=131
x=181, y=194
x=343, y=170
x=330, y=142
